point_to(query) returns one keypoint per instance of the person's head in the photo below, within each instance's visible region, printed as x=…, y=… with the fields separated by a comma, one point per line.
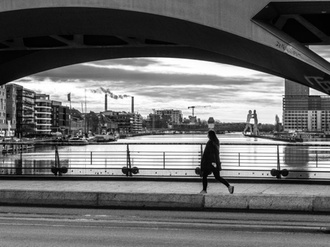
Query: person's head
x=212, y=136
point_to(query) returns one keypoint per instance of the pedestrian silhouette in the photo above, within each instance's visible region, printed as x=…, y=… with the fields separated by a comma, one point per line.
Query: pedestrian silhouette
x=210, y=162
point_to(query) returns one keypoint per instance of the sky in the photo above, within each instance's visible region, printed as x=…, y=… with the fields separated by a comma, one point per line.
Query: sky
x=221, y=91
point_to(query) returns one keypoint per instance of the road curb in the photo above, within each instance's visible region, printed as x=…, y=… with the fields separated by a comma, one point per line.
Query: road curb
x=295, y=203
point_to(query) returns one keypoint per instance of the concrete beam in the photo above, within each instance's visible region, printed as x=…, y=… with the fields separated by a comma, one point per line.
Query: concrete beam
x=213, y=30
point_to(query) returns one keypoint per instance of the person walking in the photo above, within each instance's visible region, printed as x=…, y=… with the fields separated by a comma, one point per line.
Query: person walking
x=210, y=162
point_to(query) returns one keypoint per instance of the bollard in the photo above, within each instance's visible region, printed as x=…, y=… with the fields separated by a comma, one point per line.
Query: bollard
x=277, y=173
x=130, y=171
x=124, y=170
x=135, y=170
x=198, y=171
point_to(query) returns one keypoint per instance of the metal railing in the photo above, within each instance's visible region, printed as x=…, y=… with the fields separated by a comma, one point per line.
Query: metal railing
x=169, y=159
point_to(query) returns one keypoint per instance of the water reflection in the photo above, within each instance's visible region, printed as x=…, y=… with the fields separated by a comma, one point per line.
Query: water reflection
x=297, y=158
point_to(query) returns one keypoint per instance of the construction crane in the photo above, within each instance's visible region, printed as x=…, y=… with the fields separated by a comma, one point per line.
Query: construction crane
x=198, y=106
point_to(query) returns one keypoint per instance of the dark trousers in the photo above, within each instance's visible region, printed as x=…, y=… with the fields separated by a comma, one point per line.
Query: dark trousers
x=216, y=174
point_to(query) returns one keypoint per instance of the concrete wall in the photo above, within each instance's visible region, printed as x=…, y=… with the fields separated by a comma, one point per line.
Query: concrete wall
x=214, y=30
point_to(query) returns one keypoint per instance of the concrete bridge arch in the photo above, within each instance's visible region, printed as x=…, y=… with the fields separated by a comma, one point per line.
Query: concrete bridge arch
x=38, y=35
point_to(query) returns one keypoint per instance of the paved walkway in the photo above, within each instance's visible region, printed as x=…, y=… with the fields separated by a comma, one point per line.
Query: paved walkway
x=166, y=194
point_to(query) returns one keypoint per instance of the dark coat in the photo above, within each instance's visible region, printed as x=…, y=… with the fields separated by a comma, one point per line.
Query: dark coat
x=210, y=155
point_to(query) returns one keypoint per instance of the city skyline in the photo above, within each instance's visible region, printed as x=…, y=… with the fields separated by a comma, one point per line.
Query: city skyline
x=166, y=83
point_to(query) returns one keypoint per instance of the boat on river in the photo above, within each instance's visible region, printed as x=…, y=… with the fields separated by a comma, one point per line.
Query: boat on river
x=105, y=138
x=78, y=140
x=91, y=139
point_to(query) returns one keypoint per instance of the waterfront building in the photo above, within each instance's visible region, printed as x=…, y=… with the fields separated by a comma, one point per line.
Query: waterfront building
x=106, y=125
x=43, y=112
x=3, y=122
x=304, y=112
x=136, y=123
x=175, y=116
x=77, y=122
x=11, y=107
x=192, y=120
x=123, y=119
x=211, y=123
x=60, y=118
x=126, y=122
x=25, y=111
x=154, y=121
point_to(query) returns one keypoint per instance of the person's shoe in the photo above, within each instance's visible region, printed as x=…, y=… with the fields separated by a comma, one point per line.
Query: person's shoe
x=203, y=192
x=231, y=189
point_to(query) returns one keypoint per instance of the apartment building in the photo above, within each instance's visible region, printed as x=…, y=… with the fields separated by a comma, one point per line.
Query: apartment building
x=43, y=112
x=25, y=114
x=60, y=118
x=11, y=107
x=3, y=122
x=304, y=112
x=175, y=116
x=126, y=122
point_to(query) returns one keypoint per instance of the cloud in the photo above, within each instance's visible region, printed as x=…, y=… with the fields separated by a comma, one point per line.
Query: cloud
x=164, y=83
x=322, y=51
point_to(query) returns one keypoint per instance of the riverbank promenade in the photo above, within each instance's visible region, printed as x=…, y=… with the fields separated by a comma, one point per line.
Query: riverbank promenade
x=154, y=194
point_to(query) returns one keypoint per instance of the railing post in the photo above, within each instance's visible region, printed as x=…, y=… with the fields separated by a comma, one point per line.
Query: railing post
x=21, y=155
x=316, y=157
x=91, y=158
x=128, y=164
x=57, y=165
x=164, y=160
x=278, y=163
x=20, y=162
x=239, y=159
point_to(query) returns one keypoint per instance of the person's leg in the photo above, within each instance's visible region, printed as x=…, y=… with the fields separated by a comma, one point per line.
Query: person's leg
x=216, y=174
x=205, y=174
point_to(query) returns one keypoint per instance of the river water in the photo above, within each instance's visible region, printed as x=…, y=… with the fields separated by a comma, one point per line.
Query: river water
x=179, y=151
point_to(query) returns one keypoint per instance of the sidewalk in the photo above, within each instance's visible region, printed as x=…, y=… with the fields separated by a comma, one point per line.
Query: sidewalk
x=165, y=194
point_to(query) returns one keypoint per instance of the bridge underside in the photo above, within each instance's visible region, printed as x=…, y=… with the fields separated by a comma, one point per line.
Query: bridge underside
x=35, y=40
x=306, y=22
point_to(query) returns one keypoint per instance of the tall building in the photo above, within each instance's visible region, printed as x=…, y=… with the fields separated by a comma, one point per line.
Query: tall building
x=175, y=116
x=293, y=88
x=154, y=121
x=11, y=106
x=3, y=122
x=60, y=118
x=43, y=112
x=25, y=111
x=126, y=122
x=304, y=112
x=77, y=123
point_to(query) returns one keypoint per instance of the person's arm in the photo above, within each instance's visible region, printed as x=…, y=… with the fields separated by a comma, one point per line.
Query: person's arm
x=217, y=157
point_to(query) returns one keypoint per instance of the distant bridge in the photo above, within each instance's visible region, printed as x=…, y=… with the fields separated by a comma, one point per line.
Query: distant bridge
x=268, y=36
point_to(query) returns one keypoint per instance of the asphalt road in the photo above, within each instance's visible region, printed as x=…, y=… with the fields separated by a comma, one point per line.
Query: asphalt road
x=27, y=226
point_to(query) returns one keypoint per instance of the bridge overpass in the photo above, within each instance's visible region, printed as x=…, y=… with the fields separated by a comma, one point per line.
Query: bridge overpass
x=268, y=36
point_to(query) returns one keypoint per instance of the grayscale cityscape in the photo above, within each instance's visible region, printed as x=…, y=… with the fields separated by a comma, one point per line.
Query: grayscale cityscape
x=164, y=123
